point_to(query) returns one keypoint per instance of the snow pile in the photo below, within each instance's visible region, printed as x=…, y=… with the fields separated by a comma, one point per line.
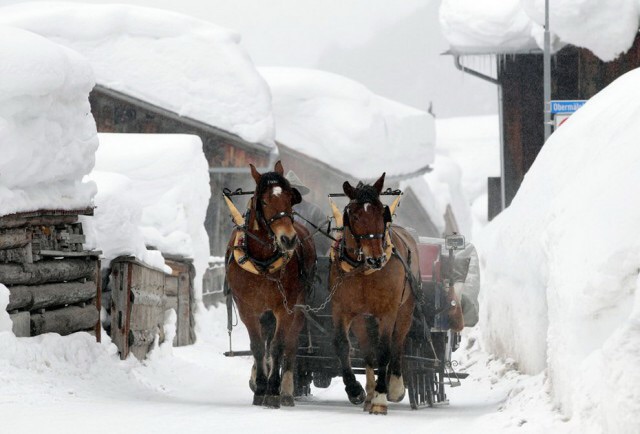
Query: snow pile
x=561, y=287
x=161, y=184
x=475, y=25
x=5, y=320
x=47, y=133
x=472, y=25
x=339, y=121
x=180, y=63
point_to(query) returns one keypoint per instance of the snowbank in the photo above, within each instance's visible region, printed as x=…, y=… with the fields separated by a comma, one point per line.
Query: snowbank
x=561, y=287
x=161, y=184
x=47, y=133
x=5, y=321
x=339, y=121
x=475, y=25
x=180, y=63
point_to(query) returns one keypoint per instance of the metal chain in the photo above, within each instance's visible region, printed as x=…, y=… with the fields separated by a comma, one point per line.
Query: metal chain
x=306, y=307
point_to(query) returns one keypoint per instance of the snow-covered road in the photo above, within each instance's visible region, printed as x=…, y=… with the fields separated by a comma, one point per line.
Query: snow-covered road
x=58, y=384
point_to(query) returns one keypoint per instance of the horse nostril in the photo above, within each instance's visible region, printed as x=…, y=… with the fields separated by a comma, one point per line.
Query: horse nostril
x=288, y=242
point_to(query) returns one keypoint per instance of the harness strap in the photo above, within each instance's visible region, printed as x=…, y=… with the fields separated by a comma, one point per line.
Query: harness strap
x=254, y=266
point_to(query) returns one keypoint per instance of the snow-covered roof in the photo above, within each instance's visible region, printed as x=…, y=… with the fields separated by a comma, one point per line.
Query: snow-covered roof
x=159, y=185
x=47, y=134
x=341, y=123
x=185, y=65
x=606, y=27
x=561, y=264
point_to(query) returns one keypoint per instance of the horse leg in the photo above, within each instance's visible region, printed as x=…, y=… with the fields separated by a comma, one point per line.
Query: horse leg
x=379, y=401
x=354, y=389
x=290, y=349
x=258, y=380
x=365, y=330
x=276, y=350
x=403, y=325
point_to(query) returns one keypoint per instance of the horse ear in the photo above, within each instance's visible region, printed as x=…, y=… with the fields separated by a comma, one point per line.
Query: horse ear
x=278, y=168
x=380, y=183
x=348, y=190
x=255, y=174
x=296, y=198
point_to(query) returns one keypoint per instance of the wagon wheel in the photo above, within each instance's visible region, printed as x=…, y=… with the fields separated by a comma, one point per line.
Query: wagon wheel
x=420, y=381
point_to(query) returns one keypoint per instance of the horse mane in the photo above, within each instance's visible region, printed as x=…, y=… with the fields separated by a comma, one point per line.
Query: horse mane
x=270, y=179
x=366, y=193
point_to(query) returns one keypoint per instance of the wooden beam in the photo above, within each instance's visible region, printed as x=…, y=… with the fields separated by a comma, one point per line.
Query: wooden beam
x=64, y=321
x=12, y=238
x=51, y=295
x=47, y=272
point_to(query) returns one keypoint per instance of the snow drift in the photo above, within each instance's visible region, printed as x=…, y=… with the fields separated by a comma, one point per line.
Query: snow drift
x=153, y=190
x=47, y=133
x=561, y=287
x=177, y=62
x=606, y=27
x=339, y=121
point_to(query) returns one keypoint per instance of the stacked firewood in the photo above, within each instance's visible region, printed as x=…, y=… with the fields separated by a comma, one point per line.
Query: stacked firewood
x=53, y=282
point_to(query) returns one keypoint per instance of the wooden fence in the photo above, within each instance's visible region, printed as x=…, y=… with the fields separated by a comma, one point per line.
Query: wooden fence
x=141, y=295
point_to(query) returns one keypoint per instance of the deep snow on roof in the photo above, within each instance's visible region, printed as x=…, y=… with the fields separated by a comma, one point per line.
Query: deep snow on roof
x=343, y=124
x=606, y=27
x=47, y=134
x=188, y=66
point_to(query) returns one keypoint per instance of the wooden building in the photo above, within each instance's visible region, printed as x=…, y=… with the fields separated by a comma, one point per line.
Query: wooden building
x=576, y=73
x=227, y=154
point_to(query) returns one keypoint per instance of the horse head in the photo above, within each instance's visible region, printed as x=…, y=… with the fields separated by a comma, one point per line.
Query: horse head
x=366, y=217
x=273, y=205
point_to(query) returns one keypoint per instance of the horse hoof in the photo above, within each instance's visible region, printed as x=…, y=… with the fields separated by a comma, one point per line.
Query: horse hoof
x=287, y=401
x=378, y=409
x=399, y=399
x=258, y=399
x=367, y=406
x=271, y=401
x=356, y=394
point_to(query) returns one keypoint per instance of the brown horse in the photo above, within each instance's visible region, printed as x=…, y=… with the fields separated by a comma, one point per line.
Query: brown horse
x=270, y=264
x=372, y=273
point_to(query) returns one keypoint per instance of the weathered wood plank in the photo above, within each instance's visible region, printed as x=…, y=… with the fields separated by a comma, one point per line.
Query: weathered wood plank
x=16, y=221
x=13, y=238
x=50, y=295
x=64, y=321
x=140, y=338
x=63, y=254
x=47, y=272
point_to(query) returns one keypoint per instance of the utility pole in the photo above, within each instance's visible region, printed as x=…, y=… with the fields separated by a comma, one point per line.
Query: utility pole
x=547, y=73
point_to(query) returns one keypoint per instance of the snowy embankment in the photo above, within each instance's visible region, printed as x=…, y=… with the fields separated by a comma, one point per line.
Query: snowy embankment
x=189, y=66
x=487, y=26
x=47, y=133
x=339, y=121
x=153, y=190
x=560, y=265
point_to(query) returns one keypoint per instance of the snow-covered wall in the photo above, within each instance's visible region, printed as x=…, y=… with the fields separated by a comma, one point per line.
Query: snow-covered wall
x=561, y=285
x=47, y=133
x=343, y=124
x=157, y=187
x=177, y=62
x=606, y=27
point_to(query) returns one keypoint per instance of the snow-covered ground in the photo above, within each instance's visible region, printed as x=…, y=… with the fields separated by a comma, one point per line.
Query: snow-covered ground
x=75, y=385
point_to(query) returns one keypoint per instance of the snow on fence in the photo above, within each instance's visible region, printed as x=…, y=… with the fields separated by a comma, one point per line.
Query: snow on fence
x=140, y=296
x=53, y=282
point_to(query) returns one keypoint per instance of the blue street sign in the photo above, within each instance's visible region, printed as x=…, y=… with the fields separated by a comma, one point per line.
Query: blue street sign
x=566, y=106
